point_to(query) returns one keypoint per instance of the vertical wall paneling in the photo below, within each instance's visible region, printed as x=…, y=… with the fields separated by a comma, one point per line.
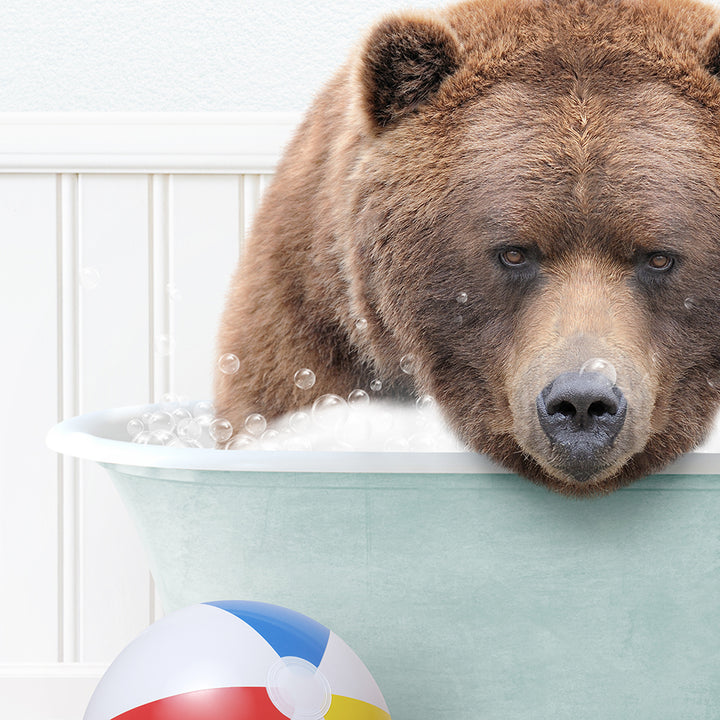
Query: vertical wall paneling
x=265, y=180
x=252, y=190
x=206, y=226
x=162, y=336
x=241, y=213
x=114, y=350
x=29, y=382
x=120, y=235
x=69, y=545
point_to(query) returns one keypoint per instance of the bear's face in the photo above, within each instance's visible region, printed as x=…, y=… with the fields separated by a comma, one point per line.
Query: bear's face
x=548, y=249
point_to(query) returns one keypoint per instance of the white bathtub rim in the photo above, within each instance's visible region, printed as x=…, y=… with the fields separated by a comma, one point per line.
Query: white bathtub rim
x=82, y=437
x=85, y=437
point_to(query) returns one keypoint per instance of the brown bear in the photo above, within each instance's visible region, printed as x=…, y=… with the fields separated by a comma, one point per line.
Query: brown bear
x=522, y=196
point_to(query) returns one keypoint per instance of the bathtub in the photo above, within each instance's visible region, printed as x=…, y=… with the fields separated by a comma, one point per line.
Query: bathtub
x=469, y=592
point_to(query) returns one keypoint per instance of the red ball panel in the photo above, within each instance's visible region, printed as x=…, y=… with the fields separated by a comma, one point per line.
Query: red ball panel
x=233, y=703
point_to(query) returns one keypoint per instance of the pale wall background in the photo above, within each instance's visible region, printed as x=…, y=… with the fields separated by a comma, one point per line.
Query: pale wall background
x=176, y=55
x=74, y=586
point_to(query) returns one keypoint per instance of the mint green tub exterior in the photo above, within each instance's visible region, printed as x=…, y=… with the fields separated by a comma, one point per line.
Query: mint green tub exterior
x=469, y=593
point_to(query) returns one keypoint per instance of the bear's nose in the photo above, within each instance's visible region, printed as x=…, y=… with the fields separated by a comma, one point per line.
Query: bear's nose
x=581, y=414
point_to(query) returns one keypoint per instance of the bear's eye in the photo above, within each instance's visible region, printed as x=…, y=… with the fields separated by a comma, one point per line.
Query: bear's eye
x=660, y=262
x=512, y=257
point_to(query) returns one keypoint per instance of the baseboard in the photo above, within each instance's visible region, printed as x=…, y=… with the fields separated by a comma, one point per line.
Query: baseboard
x=47, y=692
x=144, y=142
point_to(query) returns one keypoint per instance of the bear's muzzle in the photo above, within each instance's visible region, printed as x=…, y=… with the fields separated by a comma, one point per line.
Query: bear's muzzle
x=581, y=414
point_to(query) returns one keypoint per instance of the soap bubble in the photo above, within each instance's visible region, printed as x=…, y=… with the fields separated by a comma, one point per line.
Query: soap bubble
x=161, y=421
x=361, y=324
x=461, y=298
x=691, y=303
x=160, y=437
x=240, y=442
x=300, y=421
x=713, y=380
x=358, y=398
x=327, y=402
x=457, y=319
x=164, y=345
x=181, y=413
x=255, y=424
x=204, y=412
x=192, y=443
x=376, y=385
x=229, y=363
x=425, y=402
x=304, y=378
x=220, y=430
x=89, y=278
x=407, y=364
x=188, y=429
x=270, y=440
x=321, y=411
x=206, y=441
x=169, y=399
x=142, y=438
x=134, y=427
x=599, y=365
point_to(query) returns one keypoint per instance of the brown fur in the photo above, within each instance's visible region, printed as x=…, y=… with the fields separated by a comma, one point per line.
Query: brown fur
x=583, y=131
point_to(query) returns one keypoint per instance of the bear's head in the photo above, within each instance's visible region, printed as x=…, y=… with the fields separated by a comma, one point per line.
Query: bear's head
x=537, y=222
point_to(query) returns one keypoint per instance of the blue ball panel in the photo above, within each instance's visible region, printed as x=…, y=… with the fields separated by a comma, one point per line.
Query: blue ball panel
x=286, y=631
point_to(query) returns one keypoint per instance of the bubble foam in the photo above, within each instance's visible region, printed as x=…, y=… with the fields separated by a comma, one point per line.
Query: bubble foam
x=332, y=423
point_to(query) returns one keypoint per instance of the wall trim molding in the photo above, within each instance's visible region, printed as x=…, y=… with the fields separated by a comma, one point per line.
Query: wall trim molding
x=144, y=142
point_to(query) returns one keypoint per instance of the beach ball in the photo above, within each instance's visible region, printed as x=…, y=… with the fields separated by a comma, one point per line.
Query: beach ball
x=237, y=660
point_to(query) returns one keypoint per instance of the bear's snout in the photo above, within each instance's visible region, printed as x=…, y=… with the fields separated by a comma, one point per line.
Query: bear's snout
x=581, y=414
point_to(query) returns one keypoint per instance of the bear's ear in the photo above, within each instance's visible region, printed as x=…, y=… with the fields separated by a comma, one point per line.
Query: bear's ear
x=711, y=49
x=405, y=60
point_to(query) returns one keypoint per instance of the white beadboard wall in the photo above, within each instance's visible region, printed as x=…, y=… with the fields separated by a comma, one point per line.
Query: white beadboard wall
x=118, y=235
